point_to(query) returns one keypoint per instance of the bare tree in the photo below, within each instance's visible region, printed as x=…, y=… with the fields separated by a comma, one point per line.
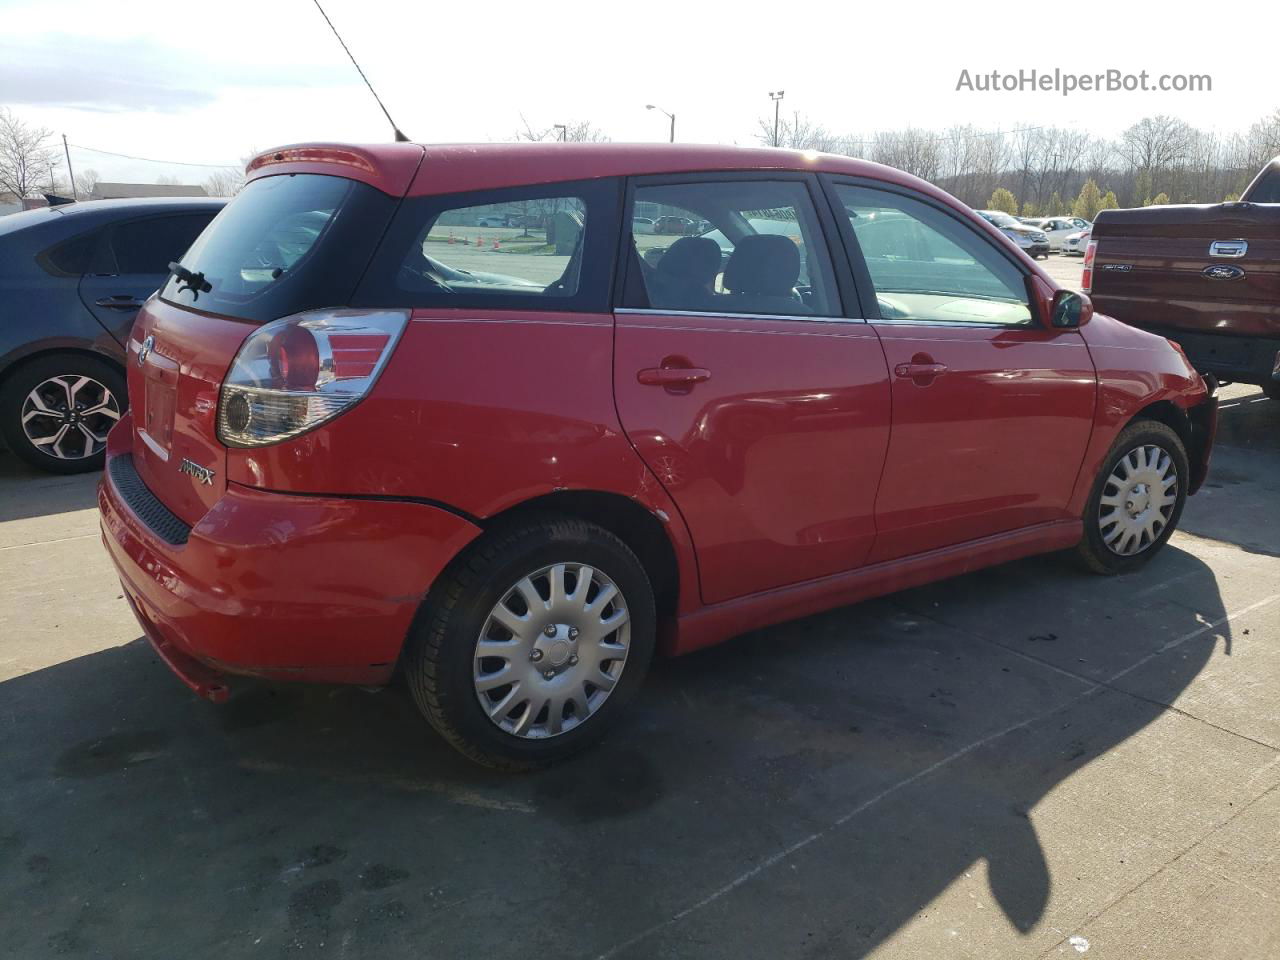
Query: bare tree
x=224, y=183
x=228, y=181
x=577, y=131
x=915, y=151
x=86, y=181
x=1262, y=142
x=801, y=133
x=26, y=157
x=1154, y=147
x=1154, y=143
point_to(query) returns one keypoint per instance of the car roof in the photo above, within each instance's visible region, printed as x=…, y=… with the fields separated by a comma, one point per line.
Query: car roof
x=84, y=211
x=66, y=219
x=138, y=205
x=429, y=169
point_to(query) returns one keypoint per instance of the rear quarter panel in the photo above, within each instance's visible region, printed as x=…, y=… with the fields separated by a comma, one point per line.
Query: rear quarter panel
x=480, y=415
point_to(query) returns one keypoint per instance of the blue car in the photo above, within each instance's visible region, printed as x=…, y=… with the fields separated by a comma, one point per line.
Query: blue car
x=72, y=278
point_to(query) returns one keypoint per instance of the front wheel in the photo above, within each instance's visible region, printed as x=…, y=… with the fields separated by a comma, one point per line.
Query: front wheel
x=533, y=642
x=1137, y=499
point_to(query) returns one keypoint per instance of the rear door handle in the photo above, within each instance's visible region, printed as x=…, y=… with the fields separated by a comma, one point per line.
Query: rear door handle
x=672, y=376
x=910, y=371
x=121, y=301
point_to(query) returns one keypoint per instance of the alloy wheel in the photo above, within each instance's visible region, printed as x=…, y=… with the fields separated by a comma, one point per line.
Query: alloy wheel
x=67, y=417
x=552, y=650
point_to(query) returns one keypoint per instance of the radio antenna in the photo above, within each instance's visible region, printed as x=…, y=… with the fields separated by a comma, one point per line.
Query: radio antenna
x=400, y=137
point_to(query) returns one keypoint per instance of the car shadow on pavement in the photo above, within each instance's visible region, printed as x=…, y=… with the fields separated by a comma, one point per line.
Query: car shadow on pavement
x=26, y=492
x=801, y=791
x=1240, y=500
x=1248, y=419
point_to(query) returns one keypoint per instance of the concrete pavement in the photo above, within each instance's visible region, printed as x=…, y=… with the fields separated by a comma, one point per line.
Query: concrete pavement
x=1024, y=762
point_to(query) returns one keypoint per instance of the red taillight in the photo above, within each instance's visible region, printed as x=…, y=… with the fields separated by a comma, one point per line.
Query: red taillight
x=301, y=371
x=295, y=358
x=1086, y=277
x=356, y=355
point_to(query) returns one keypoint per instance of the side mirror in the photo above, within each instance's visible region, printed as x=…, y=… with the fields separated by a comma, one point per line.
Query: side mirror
x=1070, y=310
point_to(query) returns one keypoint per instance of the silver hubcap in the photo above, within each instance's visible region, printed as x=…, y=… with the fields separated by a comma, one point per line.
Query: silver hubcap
x=68, y=417
x=552, y=650
x=1138, y=500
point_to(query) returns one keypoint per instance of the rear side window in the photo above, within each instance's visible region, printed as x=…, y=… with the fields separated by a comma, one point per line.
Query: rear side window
x=1268, y=189
x=285, y=244
x=543, y=248
x=70, y=258
x=729, y=246
x=148, y=246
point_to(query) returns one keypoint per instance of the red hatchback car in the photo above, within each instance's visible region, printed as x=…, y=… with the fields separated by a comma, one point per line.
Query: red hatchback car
x=365, y=439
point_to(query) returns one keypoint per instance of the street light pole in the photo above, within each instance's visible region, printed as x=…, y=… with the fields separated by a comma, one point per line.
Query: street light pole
x=564, y=131
x=671, y=116
x=776, y=97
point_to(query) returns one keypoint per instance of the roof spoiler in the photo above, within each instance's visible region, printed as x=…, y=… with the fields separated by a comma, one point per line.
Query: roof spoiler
x=390, y=167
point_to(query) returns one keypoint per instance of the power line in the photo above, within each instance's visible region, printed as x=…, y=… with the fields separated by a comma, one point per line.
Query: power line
x=176, y=163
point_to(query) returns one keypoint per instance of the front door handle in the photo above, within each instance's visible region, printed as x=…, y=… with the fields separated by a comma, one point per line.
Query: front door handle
x=122, y=301
x=916, y=371
x=672, y=376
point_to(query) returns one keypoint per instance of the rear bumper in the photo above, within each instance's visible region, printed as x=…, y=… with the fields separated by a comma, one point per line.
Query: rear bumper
x=1204, y=428
x=1235, y=359
x=276, y=585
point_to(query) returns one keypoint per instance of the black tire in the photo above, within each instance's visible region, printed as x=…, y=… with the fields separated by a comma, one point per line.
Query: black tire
x=1093, y=550
x=440, y=653
x=19, y=384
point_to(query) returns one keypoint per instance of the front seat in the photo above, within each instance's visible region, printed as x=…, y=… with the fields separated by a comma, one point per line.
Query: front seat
x=685, y=277
x=761, y=276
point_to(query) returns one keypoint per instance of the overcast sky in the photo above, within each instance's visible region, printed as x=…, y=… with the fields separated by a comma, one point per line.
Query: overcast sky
x=211, y=82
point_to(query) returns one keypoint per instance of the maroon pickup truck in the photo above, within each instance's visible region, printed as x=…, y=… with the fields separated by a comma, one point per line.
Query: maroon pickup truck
x=1206, y=277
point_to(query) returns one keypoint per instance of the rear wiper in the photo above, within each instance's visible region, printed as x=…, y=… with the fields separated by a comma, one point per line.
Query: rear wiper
x=195, y=282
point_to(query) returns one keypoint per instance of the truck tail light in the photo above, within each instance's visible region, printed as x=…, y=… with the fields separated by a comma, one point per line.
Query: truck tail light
x=294, y=374
x=1086, y=278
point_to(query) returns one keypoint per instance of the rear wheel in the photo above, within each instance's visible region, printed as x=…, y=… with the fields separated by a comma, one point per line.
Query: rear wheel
x=533, y=643
x=1137, y=499
x=55, y=411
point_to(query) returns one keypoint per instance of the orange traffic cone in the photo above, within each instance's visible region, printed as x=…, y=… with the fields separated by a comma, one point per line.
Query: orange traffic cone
x=479, y=241
x=495, y=244
x=451, y=236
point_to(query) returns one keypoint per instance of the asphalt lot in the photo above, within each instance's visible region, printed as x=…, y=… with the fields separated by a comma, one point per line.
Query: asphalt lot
x=1024, y=762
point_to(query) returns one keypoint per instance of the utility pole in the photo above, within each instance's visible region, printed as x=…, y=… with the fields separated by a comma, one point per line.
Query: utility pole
x=70, y=172
x=776, y=97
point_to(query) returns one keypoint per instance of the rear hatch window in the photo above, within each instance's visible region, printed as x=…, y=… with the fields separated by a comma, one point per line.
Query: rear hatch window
x=1267, y=189
x=285, y=244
